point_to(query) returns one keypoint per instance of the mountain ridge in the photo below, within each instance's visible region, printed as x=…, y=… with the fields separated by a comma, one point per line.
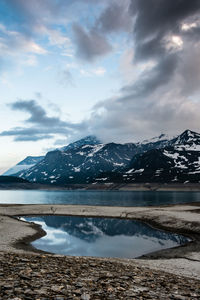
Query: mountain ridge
x=90, y=161
x=178, y=161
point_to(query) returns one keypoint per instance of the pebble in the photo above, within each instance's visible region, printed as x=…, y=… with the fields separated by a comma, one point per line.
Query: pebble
x=85, y=297
x=44, y=277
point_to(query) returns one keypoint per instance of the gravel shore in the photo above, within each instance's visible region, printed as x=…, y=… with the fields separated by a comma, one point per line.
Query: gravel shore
x=52, y=277
x=170, y=274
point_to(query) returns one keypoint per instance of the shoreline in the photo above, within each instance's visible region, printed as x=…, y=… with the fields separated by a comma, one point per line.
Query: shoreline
x=188, y=187
x=181, y=219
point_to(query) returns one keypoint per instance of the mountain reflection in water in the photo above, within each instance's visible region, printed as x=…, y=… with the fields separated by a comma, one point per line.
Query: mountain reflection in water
x=103, y=237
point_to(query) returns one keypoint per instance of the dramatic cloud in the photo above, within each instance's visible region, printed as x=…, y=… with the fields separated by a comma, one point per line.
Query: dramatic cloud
x=120, y=120
x=93, y=43
x=161, y=97
x=38, y=114
x=161, y=54
x=155, y=16
x=156, y=19
x=44, y=127
x=149, y=81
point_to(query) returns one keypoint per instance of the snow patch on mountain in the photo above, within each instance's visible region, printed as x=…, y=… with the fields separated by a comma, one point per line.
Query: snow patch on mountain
x=171, y=155
x=160, y=138
x=95, y=149
x=88, y=140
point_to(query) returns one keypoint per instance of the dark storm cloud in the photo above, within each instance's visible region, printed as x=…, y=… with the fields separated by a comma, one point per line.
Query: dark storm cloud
x=44, y=127
x=156, y=22
x=160, y=16
x=153, y=79
x=90, y=45
x=155, y=19
x=151, y=49
x=160, y=98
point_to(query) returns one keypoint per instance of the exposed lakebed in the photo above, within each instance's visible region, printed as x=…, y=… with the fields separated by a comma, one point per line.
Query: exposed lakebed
x=102, y=237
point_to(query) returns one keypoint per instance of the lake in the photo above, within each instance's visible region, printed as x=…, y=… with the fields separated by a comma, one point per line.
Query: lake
x=102, y=237
x=108, y=198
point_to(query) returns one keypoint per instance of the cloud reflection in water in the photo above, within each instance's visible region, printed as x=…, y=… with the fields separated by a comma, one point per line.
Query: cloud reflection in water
x=102, y=237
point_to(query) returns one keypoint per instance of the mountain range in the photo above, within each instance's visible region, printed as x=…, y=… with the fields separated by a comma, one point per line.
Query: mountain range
x=162, y=159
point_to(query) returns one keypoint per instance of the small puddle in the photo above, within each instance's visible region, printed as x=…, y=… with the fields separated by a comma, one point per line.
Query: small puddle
x=101, y=237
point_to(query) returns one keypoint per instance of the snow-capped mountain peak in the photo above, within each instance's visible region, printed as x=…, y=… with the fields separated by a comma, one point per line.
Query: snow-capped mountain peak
x=188, y=136
x=161, y=138
x=177, y=160
x=188, y=140
x=88, y=140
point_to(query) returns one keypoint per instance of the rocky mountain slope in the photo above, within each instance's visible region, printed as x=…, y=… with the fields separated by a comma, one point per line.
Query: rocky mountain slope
x=177, y=161
x=80, y=164
x=89, y=161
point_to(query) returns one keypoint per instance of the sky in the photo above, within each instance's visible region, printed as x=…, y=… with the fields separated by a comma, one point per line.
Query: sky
x=123, y=70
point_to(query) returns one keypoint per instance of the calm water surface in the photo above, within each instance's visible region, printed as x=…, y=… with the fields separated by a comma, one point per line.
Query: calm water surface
x=102, y=237
x=110, y=198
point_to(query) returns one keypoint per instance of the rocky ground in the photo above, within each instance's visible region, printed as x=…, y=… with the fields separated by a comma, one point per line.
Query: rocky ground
x=54, y=277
